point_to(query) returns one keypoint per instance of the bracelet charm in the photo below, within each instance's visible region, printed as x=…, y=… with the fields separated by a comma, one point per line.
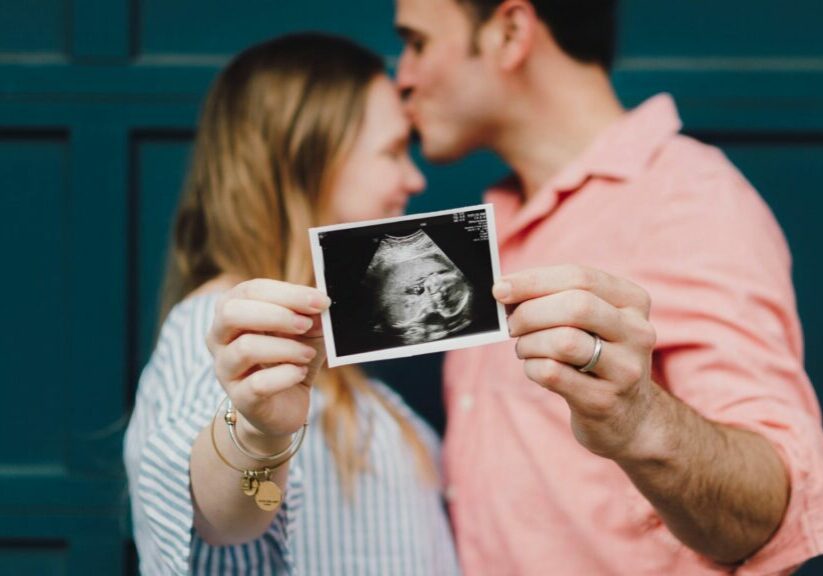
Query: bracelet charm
x=249, y=483
x=256, y=482
x=268, y=495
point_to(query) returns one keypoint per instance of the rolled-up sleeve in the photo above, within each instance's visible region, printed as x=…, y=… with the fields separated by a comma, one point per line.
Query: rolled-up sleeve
x=730, y=343
x=162, y=488
x=158, y=447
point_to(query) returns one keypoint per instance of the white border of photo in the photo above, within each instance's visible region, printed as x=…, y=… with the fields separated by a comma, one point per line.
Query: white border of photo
x=499, y=335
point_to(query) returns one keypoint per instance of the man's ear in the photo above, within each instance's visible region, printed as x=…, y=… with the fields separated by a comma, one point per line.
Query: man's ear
x=513, y=27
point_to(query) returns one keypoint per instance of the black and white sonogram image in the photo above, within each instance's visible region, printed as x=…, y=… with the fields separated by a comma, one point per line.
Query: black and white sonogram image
x=409, y=285
x=417, y=293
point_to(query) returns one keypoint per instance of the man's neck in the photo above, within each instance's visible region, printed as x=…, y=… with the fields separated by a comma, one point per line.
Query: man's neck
x=554, y=121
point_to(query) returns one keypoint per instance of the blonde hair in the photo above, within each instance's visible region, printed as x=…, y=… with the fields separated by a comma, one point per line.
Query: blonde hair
x=276, y=124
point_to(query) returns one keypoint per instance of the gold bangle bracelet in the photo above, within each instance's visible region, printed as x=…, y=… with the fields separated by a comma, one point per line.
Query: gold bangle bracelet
x=230, y=417
x=257, y=482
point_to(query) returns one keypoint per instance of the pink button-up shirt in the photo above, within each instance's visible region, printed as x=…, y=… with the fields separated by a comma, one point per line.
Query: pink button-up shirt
x=674, y=216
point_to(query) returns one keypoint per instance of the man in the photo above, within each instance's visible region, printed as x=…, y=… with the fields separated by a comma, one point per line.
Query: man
x=682, y=435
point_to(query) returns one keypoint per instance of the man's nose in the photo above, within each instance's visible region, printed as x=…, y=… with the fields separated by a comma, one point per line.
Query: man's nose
x=405, y=76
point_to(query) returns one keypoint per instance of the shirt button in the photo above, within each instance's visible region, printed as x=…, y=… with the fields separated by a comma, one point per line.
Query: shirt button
x=466, y=402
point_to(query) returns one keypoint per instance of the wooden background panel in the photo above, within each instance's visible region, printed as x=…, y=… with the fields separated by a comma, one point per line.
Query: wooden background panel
x=54, y=544
x=168, y=28
x=33, y=177
x=101, y=31
x=49, y=557
x=159, y=163
x=34, y=28
x=96, y=269
x=750, y=29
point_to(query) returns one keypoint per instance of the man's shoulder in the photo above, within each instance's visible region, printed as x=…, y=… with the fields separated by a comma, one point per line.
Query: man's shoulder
x=696, y=184
x=686, y=155
x=687, y=168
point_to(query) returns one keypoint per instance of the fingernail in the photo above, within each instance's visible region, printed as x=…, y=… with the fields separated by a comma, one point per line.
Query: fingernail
x=502, y=290
x=302, y=323
x=309, y=354
x=319, y=302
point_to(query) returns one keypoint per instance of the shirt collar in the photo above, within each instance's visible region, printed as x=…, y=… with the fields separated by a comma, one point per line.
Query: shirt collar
x=621, y=152
x=626, y=147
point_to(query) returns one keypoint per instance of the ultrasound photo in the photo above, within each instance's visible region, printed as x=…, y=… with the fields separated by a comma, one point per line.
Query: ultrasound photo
x=409, y=285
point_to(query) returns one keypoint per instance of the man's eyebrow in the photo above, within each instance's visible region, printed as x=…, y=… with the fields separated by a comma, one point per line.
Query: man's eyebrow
x=404, y=31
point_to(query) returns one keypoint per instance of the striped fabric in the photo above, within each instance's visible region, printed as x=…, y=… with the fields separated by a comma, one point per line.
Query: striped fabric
x=395, y=525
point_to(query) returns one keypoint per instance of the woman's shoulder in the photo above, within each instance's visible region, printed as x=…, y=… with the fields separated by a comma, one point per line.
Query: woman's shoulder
x=188, y=321
x=180, y=365
x=181, y=342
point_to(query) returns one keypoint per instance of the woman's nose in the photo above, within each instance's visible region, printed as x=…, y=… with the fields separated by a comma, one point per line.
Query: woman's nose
x=415, y=181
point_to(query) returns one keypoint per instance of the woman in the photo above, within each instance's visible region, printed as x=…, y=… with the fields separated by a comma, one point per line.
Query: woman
x=297, y=132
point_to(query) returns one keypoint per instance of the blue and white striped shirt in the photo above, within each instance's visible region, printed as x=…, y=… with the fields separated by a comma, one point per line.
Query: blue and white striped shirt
x=395, y=525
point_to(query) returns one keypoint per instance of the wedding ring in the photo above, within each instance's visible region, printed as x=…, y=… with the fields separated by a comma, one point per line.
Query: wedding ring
x=598, y=348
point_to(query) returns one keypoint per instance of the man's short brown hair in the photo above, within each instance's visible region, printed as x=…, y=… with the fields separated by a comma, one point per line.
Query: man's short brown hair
x=584, y=29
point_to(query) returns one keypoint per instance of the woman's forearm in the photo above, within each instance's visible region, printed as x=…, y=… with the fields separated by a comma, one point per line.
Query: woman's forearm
x=223, y=513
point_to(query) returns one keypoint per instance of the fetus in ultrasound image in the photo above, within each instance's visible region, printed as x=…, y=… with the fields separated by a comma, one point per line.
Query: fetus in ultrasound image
x=417, y=293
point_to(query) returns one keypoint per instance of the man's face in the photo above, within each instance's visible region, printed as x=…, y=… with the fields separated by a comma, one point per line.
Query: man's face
x=447, y=86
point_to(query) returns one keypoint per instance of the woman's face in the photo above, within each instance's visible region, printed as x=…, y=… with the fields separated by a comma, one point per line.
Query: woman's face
x=377, y=177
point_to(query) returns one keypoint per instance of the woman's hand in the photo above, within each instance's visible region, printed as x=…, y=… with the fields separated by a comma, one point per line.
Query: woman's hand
x=267, y=345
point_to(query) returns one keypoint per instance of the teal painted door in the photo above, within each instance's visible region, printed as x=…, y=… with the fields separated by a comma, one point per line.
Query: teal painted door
x=98, y=102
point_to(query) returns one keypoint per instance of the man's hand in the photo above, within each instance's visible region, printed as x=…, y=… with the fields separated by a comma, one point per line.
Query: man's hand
x=556, y=312
x=722, y=491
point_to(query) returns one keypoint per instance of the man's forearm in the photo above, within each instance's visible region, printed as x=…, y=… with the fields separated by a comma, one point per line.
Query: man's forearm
x=722, y=491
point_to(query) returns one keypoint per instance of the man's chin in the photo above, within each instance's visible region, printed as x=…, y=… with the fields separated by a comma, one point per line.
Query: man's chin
x=440, y=152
